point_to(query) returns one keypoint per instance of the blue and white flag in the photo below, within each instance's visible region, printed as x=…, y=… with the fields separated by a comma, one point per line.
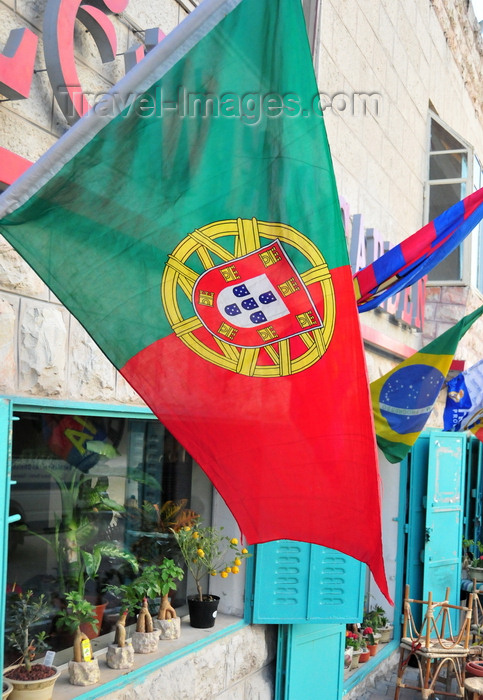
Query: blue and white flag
x=464, y=401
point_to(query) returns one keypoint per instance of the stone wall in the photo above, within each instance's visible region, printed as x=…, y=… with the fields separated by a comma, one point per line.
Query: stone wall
x=44, y=352
x=238, y=667
x=411, y=57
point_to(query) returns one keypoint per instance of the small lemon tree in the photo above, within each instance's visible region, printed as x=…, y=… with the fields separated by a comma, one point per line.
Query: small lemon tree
x=206, y=550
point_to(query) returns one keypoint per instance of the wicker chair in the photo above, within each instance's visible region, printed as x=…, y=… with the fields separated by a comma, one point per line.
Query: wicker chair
x=435, y=645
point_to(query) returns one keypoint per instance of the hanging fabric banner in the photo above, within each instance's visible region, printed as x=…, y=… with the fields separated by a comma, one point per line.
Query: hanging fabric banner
x=403, y=398
x=412, y=259
x=197, y=236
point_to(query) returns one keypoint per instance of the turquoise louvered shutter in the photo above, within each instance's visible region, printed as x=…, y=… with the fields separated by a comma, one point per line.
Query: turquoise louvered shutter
x=297, y=582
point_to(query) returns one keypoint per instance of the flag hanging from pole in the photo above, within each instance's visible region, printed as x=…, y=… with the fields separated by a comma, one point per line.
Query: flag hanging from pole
x=403, y=398
x=409, y=261
x=191, y=223
x=464, y=401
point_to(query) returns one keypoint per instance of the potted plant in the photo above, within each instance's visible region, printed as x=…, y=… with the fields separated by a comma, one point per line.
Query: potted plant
x=475, y=569
x=35, y=681
x=353, y=649
x=365, y=653
x=377, y=619
x=369, y=640
x=120, y=654
x=78, y=559
x=134, y=599
x=467, y=555
x=83, y=668
x=167, y=620
x=207, y=551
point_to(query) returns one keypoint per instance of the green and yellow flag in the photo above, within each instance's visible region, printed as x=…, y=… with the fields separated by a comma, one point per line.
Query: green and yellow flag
x=403, y=399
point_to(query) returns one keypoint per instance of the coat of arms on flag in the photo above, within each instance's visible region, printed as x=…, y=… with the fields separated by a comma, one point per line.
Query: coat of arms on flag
x=255, y=299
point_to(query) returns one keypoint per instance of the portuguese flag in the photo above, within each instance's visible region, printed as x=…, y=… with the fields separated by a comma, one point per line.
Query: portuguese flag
x=404, y=397
x=191, y=223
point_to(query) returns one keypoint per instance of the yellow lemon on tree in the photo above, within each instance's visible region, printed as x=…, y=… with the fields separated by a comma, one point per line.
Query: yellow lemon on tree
x=200, y=553
x=196, y=535
x=244, y=550
x=228, y=569
x=234, y=540
x=237, y=561
x=234, y=569
x=223, y=574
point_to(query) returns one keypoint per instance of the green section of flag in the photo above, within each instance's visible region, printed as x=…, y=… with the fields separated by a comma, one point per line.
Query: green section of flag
x=403, y=399
x=100, y=231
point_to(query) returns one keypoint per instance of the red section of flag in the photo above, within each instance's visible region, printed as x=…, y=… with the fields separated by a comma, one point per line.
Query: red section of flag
x=276, y=448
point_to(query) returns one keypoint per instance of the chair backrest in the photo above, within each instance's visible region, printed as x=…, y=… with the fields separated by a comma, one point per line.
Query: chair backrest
x=477, y=619
x=437, y=625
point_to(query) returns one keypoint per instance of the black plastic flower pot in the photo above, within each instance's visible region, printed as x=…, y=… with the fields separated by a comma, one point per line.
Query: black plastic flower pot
x=203, y=612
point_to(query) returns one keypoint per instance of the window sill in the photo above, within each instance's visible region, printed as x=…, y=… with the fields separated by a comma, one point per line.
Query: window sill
x=113, y=680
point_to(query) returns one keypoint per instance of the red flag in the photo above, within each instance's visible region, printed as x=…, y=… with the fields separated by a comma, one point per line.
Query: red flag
x=412, y=259
x=205, y=254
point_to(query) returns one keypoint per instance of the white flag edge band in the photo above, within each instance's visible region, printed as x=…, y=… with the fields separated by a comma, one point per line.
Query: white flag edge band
x=151, y=69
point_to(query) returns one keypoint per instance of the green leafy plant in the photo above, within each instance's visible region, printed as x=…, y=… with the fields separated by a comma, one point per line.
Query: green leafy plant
x=23, y=611
x=353, y=640
x=154, y=582
x=78, y=561
x=375, y=618
x=170, y=572
x=368, y=635
x=206, y=550
x=476, y=562
x=77, y=612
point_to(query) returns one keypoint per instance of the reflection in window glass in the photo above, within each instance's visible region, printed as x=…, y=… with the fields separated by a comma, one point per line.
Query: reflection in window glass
x=448, y=166
x=81, y=481
x=452, y=167
x=441, y=139
x=443, y=197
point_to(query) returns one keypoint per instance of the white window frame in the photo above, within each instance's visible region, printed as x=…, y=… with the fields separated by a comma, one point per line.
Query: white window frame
x=470, y=244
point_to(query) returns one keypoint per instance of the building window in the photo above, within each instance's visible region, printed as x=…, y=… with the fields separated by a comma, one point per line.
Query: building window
x=477, y=254
x=81, y=480
x=449, y=181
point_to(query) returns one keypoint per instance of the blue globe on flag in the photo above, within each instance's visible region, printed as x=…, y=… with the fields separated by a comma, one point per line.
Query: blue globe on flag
x=408, y=395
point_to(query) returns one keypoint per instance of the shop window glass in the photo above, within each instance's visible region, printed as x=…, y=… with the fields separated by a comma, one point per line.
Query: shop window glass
x=82, y=480
x=478, y=182
x=448, y=184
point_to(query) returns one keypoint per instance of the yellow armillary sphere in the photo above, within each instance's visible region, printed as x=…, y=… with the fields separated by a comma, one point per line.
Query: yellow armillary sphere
x=249, y=310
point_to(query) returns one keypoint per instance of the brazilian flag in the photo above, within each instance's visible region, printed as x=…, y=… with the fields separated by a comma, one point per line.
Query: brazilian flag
x=404, y=397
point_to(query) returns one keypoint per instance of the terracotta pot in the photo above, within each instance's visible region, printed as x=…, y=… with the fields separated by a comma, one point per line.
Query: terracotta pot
x=33, y=690
x=88, y=629
x=474, y=668
x=365, y=656
x=372, y=649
